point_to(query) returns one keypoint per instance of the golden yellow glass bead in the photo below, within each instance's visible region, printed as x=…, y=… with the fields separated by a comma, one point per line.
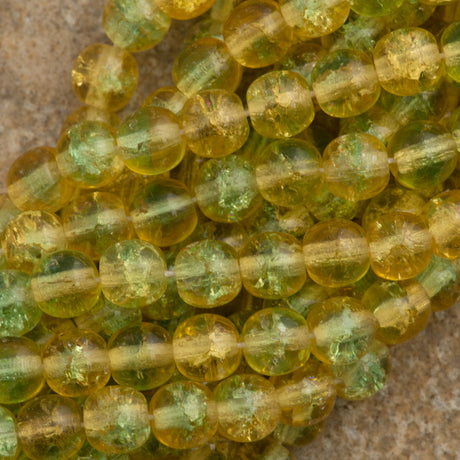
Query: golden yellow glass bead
x=400, y=245
x=105, y=77
x=450, y=46
x=184, y=9
x=9, y=445
x=411, y=13
x=88, y=113
x=166, y=97
x=297, y=436
x=375, y=7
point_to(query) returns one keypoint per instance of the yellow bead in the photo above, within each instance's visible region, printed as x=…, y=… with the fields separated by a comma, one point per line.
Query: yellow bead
x=166, y=97
x=375, y=8
x=411, y=13
x=297, y=436
x=9, y=446
x=184, y=9
x=450, y=46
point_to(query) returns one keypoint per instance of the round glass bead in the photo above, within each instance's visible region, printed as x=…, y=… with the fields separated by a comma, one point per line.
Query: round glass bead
x=188, y=9
x=400, y=245
x=411, y=13
x=184, y=415
x=166, y=97
x=105, y=77
x=88, y=113
x=336, y=253
x=276, y=341
x=66, y=284
x=297, y=436
x=375, y=8
x=116, y=419
x=345, y=83
x=407, y=61
x=450, y=46
x=141, y=356
x=8, y=210
x=272, y=265
x=76, y=363
x=9, y=444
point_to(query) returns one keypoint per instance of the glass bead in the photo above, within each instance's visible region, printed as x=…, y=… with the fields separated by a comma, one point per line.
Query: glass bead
x=184, y=9
x=407, y=61
x=21, y=370
x=206, y=348
x=105, y=77
x=116, y=419
x=66, y=284
x=297, y=436
x=206, y=64
x=345, y=83
x=374, y=7
x=166, y=97
x=272, y=265
x=400, y=245
x=411, y=13
x=276, y=341
x=50, y=427
x=214, y=123
x=343, y=330
x=76, y=363
x=450, y=46
x=94, y=221
x=150, y=141
x=279, y=104
x=88, y=113
x=141, y=356
x=31, y=235
x=256, y=33
x=336, y=253
x=207, y=274
x=306, y=396
x=184, y=415
x=226, y=189
x=9, y=444
x=424, y=155
x=163, y=213
x=276, y=451
x=135, y=25
x=8, y=210
x=19, y=312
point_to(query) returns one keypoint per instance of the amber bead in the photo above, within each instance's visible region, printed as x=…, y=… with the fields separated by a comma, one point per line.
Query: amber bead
x=9, y=443
x=180, y=9
x=166, y=97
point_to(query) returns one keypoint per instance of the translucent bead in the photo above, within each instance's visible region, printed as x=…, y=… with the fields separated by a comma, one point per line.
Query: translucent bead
x=272, y=265
x=94, y=221
x=226, y=189
x=50, y=426
x=345, y=83
x=66, y=284
x=297, y=436
x=411, y=13
x=306, y=396
x=374, y=7
x=8, y=210
x=450, y=46
x=19, y=312
x=206, y=64
x=214, y=123
x=256, y=33
x=207, y=274
x=336, y=253
x=184, y=415
x=21, y=370
x=88, y=113
x=76, y=363
x=166, y=97
x=116, y=419
x=9, y=444
x=206, y=348
x=150, y=141
x=280, y=104
x=163, y=213
x=29, y=237
x=180, y=9
x=276, y=341
x=136, y=25
x=424, y=154
x=356, y=166
x=105, y=77
x=141, y=356
x=407, y=61
x=343, y=330
x=400, y=245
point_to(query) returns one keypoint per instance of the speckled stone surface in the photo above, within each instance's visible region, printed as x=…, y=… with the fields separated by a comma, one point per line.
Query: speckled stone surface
x=416, y=416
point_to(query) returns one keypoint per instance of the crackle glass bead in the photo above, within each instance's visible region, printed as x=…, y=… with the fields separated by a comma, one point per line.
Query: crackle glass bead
x=276, y=341
x=206, y=348
x=411, y=13
x=184, y=415
x=141, y=356
x=8, y=210
x=343, y=330
x=272, y=265
x=375, y=7
x=356, y=166
x=150, y=141
x=295, y=436
x=257, y=34
x=50, y=427
x=450, y=46
x=407, y=61
x=336, y=253
x=76, y=363
x=116, y=419
x=66, y=284
x=184, y=9
x=163, y=212
x=166, y=97
x=345, y=83
x=135, y=25
x=279, y=104
x=400, y=245
x=88, y=113
x=105, y=77
x=214, y=123
x=247, y=407
x=9, y=444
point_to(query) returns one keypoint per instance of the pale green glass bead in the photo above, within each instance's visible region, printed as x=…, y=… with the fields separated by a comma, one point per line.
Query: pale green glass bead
x=88, y=113
x=166, y=97
x=9, y=444
x=450, y=46
x=375, y=8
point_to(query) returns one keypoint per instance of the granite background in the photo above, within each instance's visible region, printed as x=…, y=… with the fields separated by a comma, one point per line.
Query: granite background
x=416, y=416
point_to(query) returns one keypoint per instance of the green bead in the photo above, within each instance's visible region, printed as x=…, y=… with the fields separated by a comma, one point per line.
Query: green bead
x=9, y=444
